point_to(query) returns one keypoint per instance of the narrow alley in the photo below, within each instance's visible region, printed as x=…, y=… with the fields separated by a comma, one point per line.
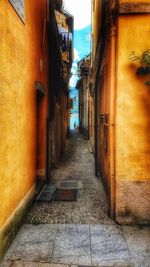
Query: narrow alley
x=76, y=165
x=74, y=133
x=80, y=232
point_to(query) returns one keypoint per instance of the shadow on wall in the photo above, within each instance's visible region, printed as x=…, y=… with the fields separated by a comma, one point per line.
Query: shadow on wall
x=142, y=96
x=134, y=189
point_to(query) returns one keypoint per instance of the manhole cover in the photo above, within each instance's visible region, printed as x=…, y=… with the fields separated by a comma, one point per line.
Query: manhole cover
x=65, y=195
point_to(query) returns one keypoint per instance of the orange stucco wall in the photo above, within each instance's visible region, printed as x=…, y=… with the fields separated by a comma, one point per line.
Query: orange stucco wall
x=125, y=166
x=133, y=109
x=132, y=124
x=96, y=15
x=96, y=24
x=20, y=52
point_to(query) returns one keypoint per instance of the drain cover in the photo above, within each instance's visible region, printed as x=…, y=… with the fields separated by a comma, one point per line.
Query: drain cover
x=49, y=188
x=47, y=193
x=45, y=196
x=65, y=195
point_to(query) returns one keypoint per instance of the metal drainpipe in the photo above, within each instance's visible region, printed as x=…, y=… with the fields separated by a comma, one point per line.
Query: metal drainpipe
x=112, y=125
x=95, y=133
x=113, y=118
x=100, y=51
x=50, y=26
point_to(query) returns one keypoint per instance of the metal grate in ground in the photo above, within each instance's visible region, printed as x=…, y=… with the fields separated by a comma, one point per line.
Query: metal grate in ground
x=47, y=193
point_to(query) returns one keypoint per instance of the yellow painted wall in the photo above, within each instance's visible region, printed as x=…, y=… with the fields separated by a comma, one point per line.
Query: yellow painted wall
x=96, y=23
x=96, y=18
x=132, y=124
x=129, y=142
x=20, y=53
x=133, y=98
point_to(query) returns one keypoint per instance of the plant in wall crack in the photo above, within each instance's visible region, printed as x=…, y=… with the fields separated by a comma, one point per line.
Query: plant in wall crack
x=144, y=61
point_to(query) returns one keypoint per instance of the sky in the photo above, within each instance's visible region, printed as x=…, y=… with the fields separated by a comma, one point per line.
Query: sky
x=81, y=10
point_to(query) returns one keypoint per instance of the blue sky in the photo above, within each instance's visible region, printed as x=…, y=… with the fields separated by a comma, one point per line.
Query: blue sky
x=81, y=10
x=82, y=41
x=81, y=46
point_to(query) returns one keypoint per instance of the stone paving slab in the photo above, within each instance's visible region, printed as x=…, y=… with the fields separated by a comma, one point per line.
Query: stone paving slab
x=108, y=245
x=90, y=245
x=138, y=241
x=21, y=263
x=33, y=243
x=72, y=229
x=138, y=238
x=72, y=245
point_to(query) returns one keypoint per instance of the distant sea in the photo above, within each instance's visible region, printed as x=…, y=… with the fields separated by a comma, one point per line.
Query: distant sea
x=74, y=119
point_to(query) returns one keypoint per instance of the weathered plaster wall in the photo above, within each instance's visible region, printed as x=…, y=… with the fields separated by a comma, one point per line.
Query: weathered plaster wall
x=10, y=228
x=96, y=15
x=132, y=124
x=91, y=122
x=96, y=24
x=85, y=104
x=20, y=53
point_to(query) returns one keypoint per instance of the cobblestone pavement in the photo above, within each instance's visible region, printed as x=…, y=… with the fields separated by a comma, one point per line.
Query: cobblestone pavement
x=71, y=234
x=91, y=205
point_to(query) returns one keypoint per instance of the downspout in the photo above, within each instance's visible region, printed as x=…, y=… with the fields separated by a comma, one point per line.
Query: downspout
x=113, y=103
x=48, y=111
x=100, y=51
x=50, y=14
x=96, y=130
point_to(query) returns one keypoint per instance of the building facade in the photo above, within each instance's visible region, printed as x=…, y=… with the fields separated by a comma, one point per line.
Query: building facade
x=83, y=86
x=121, y=108
x=33, y=104
x=61, y=56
